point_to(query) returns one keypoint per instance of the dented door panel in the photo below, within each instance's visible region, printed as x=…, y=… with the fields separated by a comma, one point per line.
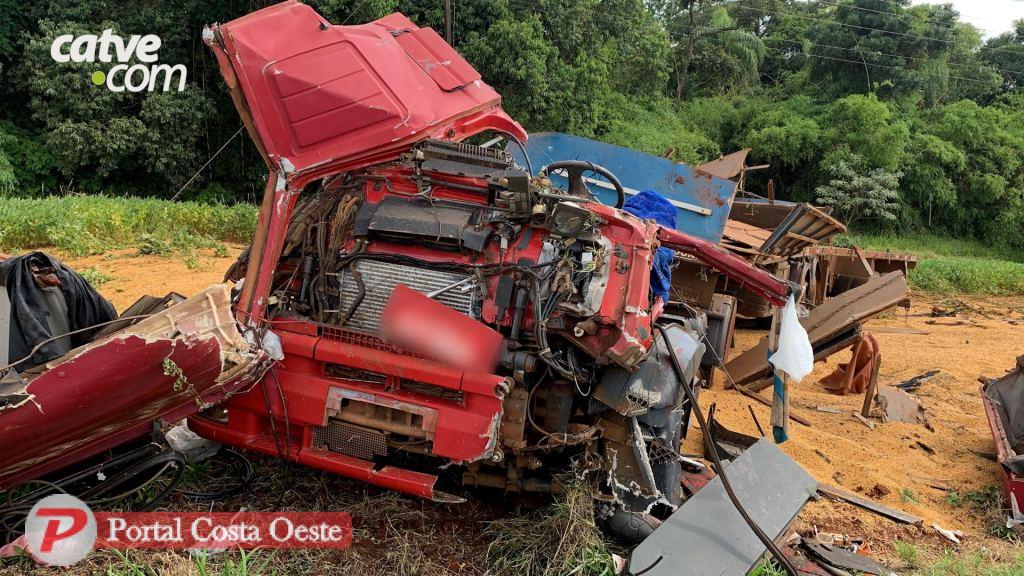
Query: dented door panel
x=165, y=367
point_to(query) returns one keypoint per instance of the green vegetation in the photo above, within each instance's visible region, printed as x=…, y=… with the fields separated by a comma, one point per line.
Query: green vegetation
x=902, y=117
x=768, y=568
x=908, y=553
x=94, y=276
x=959, y=564
x=952, y=265
x=81, y=225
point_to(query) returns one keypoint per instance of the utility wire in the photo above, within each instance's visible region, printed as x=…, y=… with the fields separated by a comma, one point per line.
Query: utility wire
x=899, y=14
x=864, y=63
x=215, y=154
x=898, y=5
x=868, y=28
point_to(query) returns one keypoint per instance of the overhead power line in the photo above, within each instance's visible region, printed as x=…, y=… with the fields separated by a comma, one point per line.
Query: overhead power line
x=873, y=65
x=897, y=14
x=868, y=28
x=862, y=53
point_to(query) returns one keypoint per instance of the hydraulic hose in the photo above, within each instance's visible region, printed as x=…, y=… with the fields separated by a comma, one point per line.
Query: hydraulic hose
x=764, y=538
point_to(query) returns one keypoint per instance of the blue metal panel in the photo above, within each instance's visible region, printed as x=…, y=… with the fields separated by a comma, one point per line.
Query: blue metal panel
x=703, y=201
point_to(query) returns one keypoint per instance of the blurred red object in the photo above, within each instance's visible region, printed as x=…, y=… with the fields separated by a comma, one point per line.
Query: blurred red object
x=417, y=322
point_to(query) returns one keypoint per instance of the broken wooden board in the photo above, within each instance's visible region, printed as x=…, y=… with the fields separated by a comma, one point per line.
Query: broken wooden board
x=899, y=330
x=898, y=406
x=870, y=505
x=829, y=320
x=756, y=396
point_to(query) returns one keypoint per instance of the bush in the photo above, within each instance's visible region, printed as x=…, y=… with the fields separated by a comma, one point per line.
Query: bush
x=971, y=275
x=82, y=225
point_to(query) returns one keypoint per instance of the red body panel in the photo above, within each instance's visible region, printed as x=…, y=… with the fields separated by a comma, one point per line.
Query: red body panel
x=166, y=367
x=326, y=98
x=1013, y=484
x=81, y=406
x=462, y=431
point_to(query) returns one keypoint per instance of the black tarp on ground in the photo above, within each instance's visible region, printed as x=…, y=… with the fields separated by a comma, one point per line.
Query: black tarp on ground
x=35, y=309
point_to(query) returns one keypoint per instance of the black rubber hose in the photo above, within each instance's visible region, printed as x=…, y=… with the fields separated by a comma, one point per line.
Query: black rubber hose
x=360, y=295
x=764, y=538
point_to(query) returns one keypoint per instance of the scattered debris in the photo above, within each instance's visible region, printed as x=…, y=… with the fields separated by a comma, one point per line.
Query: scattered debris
x=843, y=559
x=757, y=396
x=863, y=420
x=1004, y=405
x=753, y=416
x=881, y=509
x=729, y=444
x=928, y=449
x=879, y=491
x=836, y=321
x=953, y=536
x=854, y=376
x=916, y=382
x=939, y=312
x=823, y=455
x=956, y=323
x=708, y=536
x=898, y=406
x=828, y=409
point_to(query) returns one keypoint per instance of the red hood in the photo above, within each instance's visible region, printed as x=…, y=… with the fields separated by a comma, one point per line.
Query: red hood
x=318, y=98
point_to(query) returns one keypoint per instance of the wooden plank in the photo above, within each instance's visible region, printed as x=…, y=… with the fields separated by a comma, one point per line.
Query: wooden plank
x=832, y=318
x=825, y=351
x=899, y=330
x=869, y=505
x=755, y=396
x=869, y=394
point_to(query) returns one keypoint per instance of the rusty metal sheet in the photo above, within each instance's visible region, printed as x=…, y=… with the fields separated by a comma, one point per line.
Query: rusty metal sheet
x=741, y=235
x=804, y=226
x=834, y=317
x=728, y=166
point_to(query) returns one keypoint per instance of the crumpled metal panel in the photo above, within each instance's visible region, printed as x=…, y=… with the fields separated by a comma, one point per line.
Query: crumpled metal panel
x=317, y=97
x=708, y=537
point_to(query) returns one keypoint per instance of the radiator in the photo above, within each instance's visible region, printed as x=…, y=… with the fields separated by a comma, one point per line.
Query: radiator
x=380, y=278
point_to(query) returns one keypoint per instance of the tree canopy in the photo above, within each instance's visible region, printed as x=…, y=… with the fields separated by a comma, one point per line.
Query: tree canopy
x=899, y=116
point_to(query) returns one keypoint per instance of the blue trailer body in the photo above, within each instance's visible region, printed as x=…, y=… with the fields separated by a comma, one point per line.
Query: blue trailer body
x=702, y=201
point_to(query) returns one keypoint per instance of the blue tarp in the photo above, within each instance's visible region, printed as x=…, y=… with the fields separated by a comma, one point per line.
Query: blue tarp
x=650, y=205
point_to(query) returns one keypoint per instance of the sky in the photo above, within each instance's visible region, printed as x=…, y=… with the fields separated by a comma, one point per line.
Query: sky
x=993, y=17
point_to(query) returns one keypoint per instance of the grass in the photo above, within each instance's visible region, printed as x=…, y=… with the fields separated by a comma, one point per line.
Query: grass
x=950, y=266
x=768, y=568
x=908, y=553
x=959, y=564
x=84, y=225
x=94, y=276
x=559, y=540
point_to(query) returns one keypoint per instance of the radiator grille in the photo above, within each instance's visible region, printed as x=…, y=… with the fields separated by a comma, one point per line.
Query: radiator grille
x=351, y=440
x=380, y=278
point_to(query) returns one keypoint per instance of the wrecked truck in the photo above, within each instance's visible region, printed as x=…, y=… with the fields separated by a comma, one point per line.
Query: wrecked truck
x=416, y=310
x=446, y=316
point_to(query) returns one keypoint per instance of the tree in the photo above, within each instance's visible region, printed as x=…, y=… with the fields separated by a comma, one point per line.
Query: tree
x=705, y=40
x=856, y=196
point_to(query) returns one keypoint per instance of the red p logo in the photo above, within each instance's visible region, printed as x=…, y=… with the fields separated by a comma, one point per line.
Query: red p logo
x=60, y=530
x=79, y=519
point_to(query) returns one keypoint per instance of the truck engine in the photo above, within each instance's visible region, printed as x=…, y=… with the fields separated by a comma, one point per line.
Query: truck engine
x=439, y=315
